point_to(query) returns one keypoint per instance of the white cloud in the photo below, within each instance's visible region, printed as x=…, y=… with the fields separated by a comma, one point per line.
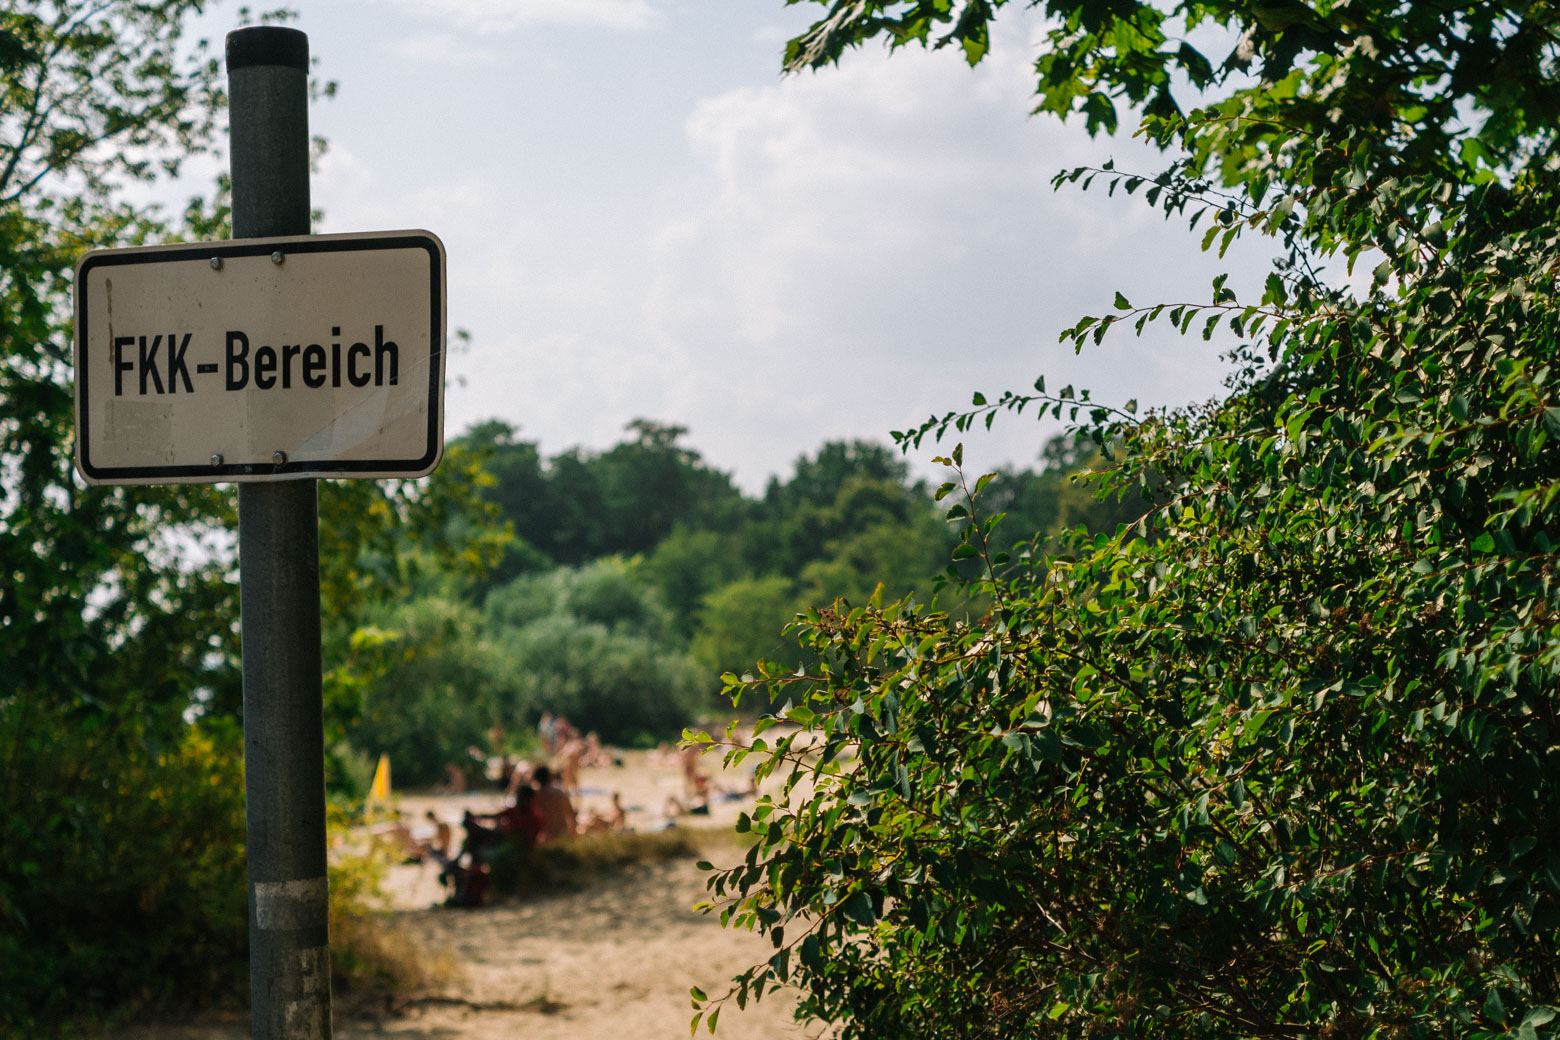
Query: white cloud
x=443, y=49
x=823, y=256
x=503, y=16
x=867, y=245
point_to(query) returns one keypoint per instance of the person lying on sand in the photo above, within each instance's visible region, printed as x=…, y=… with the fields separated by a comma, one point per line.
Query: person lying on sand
x=675, y=808
x=401, y=840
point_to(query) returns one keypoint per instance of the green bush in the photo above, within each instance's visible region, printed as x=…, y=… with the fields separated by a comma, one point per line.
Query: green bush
x=1279, y=756
x=437, y=687
x=611, y=682
x=123, y=886
x=594, y=644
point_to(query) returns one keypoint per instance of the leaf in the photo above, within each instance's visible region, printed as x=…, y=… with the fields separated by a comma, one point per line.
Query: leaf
x=1539, y=1016
x=859, y=909
x=1494, y=1007
x=1121, y=302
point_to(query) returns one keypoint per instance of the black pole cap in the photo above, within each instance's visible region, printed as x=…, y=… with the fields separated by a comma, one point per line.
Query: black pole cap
x=268, y=45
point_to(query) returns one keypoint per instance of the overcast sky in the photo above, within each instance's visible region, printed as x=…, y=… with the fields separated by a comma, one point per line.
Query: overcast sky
x=644, y=219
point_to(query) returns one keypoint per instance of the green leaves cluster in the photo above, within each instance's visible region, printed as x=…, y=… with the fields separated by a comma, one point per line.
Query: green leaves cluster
x=1457, y=88
x=107, y=801
x=1275, y=758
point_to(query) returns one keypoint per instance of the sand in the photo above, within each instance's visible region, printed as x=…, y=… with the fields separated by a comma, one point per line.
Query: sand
x=612, y=961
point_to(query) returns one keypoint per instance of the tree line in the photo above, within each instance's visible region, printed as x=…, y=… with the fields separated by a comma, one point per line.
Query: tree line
x=624, y=582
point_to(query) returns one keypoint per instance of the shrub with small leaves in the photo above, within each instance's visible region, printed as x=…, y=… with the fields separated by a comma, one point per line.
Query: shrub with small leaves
x=1278, y=758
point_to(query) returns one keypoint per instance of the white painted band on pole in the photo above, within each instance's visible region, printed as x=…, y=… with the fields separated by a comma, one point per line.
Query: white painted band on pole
x=284, y=906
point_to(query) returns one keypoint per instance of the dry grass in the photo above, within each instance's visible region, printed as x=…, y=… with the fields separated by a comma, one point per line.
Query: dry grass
x=573, y=864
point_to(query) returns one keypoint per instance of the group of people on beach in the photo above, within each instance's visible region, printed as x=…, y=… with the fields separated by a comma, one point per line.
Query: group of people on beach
x=538, y=809
x=539, y=805
x=536, y=812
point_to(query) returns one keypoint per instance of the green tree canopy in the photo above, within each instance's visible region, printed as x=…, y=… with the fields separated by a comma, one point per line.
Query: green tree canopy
x=1450, y=87
x=109, y=628
x=594, y=644
x=580, y=505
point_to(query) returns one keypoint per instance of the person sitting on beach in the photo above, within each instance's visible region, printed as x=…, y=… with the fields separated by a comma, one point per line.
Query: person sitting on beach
x=554, y=807
x=596, y=754
x=520, y=776
x=609, y=822
x=455, y=780
x=694, y=778
x=401, y=837
x=470, y=885
x=519, y=822
x=439, y=846
x=569, y=758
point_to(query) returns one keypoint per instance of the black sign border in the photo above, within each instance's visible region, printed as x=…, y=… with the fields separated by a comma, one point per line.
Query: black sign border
x=291, y=469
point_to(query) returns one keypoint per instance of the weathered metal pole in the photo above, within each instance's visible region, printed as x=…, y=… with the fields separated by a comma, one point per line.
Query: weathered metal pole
x=279, y=588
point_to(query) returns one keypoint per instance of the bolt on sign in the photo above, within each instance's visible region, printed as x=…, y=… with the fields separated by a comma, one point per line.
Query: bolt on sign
x=261, y=359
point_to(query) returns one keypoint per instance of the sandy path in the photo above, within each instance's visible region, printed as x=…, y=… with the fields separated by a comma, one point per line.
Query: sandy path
x=612, y=961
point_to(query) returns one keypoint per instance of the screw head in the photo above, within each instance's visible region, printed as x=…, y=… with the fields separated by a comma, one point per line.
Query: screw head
x=216, y=460
x=277, y=257
x=278, y=457
x=216, y=263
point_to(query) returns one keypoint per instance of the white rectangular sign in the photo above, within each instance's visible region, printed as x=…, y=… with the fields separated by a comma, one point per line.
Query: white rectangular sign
x=261, y=359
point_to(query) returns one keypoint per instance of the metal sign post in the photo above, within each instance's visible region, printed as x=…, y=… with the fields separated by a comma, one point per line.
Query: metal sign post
x=279, y=591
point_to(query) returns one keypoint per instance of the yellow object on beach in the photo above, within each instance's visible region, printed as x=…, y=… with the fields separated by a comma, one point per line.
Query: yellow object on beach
x=379, y=790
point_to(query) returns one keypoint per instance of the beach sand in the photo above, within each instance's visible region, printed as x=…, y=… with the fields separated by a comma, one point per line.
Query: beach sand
x=611, y=961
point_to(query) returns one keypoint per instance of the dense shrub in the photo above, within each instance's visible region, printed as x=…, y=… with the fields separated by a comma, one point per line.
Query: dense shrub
x=612, y=682
x=123, y=886
x=1278, y=757
x=437, y=687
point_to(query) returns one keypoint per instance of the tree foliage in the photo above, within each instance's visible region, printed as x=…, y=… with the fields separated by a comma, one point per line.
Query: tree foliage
x=593, y=644
x=122, y=883
x=1448, y=86
x=1277, y=758
x=106, y=634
